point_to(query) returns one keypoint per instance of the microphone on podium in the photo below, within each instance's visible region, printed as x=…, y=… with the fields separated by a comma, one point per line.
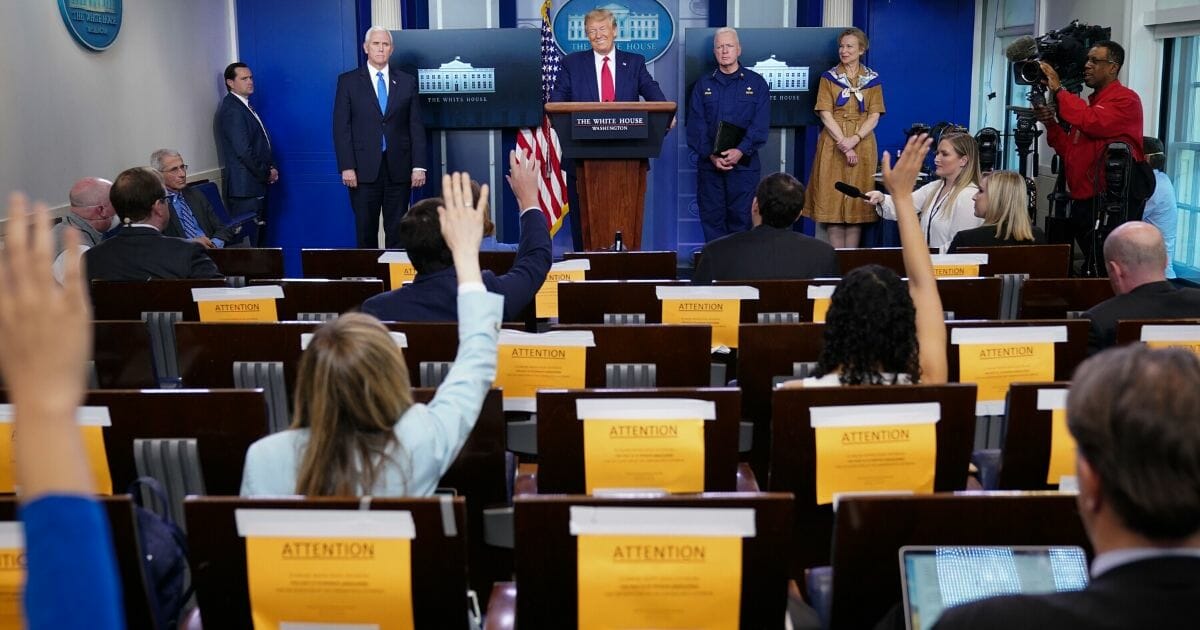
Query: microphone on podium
x=848, y=190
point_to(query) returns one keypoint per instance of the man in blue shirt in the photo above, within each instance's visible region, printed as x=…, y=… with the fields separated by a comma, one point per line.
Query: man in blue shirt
x=1161, y=209
x=736, y=96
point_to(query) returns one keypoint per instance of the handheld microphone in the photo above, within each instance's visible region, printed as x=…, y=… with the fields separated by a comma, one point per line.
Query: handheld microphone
x=848, y=190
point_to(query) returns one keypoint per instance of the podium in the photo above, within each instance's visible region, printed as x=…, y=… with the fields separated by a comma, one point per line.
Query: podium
x=610, y=143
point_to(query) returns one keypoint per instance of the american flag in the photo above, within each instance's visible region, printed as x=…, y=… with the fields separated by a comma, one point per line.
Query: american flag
x=542, y=142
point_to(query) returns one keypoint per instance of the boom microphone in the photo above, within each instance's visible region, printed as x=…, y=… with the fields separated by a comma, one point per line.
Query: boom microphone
x=848, y=190
x=1024, y=48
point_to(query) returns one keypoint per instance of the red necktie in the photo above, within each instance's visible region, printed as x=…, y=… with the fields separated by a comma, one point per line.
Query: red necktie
x=608, y=92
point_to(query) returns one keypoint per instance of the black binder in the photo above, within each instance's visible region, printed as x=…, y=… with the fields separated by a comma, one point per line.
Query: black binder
x=728, y=137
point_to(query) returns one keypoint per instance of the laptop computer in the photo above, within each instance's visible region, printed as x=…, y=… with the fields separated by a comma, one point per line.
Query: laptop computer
x=933, y=579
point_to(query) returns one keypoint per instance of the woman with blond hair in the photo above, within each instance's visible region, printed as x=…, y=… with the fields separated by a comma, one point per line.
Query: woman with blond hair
x=945, y=205
x=1003, y=204
x=357, y=430
x=849, y=104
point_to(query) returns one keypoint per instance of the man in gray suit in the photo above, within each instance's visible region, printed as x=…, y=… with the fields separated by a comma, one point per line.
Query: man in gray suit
x=91, y=214
x=771, y=250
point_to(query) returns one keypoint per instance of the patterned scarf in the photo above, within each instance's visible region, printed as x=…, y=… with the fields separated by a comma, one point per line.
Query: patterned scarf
x=867, y=79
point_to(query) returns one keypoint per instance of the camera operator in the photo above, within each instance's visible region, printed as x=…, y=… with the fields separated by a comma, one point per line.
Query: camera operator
x=1083, y=130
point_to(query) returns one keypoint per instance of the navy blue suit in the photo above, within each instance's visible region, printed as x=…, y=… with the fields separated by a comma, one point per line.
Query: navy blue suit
x=143, y=253
x=577, y=82
x=577, y=79
x=743, y=99
x=245, y=152
x=433, y=297
x=359, y=127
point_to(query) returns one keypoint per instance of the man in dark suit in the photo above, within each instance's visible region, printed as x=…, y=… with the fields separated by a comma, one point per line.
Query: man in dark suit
x=192, y=216
x=1136, y=259
x=433, y=293
x=601, y=74
x=1134, y=413
x=139, y=250
x=379, y=140
x=245, y=149
x=771, y=250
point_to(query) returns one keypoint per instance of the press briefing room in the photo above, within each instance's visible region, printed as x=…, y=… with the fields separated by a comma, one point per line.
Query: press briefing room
x=485, y=314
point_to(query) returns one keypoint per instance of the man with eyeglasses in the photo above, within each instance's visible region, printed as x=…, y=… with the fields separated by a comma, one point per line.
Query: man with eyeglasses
x=140, y=250
x=602, y=74
x=1084, y=129
x=91, y=214
x=192, y=216
x=730, y=98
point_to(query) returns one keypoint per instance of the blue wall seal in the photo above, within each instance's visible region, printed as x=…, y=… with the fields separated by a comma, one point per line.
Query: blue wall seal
x=644, y=27
x=93, y=23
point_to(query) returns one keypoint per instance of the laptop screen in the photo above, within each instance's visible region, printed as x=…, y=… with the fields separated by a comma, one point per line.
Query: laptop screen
x=936, y=578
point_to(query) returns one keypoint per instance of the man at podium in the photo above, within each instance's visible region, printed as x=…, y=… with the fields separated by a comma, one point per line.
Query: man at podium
x=602, y=74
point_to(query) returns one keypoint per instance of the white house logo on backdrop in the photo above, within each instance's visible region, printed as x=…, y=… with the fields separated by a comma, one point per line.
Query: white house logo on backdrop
x=93, y=23
x=782, y=77
x=644, y=27
x=456, y=77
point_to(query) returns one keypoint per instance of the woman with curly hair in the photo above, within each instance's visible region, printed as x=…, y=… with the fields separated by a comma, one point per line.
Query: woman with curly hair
x=876, y=332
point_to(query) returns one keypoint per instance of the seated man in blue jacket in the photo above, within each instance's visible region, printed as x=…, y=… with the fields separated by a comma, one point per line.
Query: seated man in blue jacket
x=432, y=295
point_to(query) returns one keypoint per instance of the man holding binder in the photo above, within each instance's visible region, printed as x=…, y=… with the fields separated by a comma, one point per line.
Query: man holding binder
x=728, y=116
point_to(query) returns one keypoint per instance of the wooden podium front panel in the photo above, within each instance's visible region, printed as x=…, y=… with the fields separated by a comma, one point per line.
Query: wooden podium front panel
x=612, y=194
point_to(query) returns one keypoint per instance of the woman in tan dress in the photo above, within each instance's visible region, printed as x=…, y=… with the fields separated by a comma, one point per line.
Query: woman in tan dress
x=849, y=102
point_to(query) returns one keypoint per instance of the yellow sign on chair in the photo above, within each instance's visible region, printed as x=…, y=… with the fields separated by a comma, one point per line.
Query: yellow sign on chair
x=875, y=448
x=994, y=358
x=546, y=301
x=12, y=574
x=529, y=362
x=400, y=268
x=1186, y=336
x=644, y=443
x=716, y=306
x=329, y=568
x=91, y=421
x=659, y=567
x=821, y=296
x=243, y=304
x=957, y=265
x=1062, y=443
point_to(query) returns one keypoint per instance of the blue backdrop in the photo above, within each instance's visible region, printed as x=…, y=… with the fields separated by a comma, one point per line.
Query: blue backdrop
x=298, y=47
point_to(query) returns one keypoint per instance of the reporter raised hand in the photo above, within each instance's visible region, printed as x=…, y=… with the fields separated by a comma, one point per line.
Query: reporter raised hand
x=462, y=224
x=922, y=284
x=45, y=340
x=524, y=177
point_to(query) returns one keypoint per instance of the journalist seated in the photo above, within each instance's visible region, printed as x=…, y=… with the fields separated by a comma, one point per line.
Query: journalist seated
x=1136, y=259
x=771, y=250
x=356, y=429
x=139, y=250
x=1002, y=201
x=1135, y=416
x=430, y=296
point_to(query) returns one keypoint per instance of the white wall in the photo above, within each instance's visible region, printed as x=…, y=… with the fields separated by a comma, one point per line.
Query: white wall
x=66, y=112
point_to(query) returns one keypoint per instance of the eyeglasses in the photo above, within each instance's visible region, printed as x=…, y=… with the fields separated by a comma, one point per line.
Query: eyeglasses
x=176, y=169
x=1094, y=61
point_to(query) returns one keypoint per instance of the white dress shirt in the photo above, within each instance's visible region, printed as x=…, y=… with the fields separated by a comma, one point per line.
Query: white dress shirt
x=612, y=67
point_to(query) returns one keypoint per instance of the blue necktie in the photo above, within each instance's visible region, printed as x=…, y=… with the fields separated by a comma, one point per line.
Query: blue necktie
x=381, y=93
x=191, y=229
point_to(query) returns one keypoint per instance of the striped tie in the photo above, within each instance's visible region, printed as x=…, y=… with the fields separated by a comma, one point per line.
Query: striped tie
x=191, y=228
